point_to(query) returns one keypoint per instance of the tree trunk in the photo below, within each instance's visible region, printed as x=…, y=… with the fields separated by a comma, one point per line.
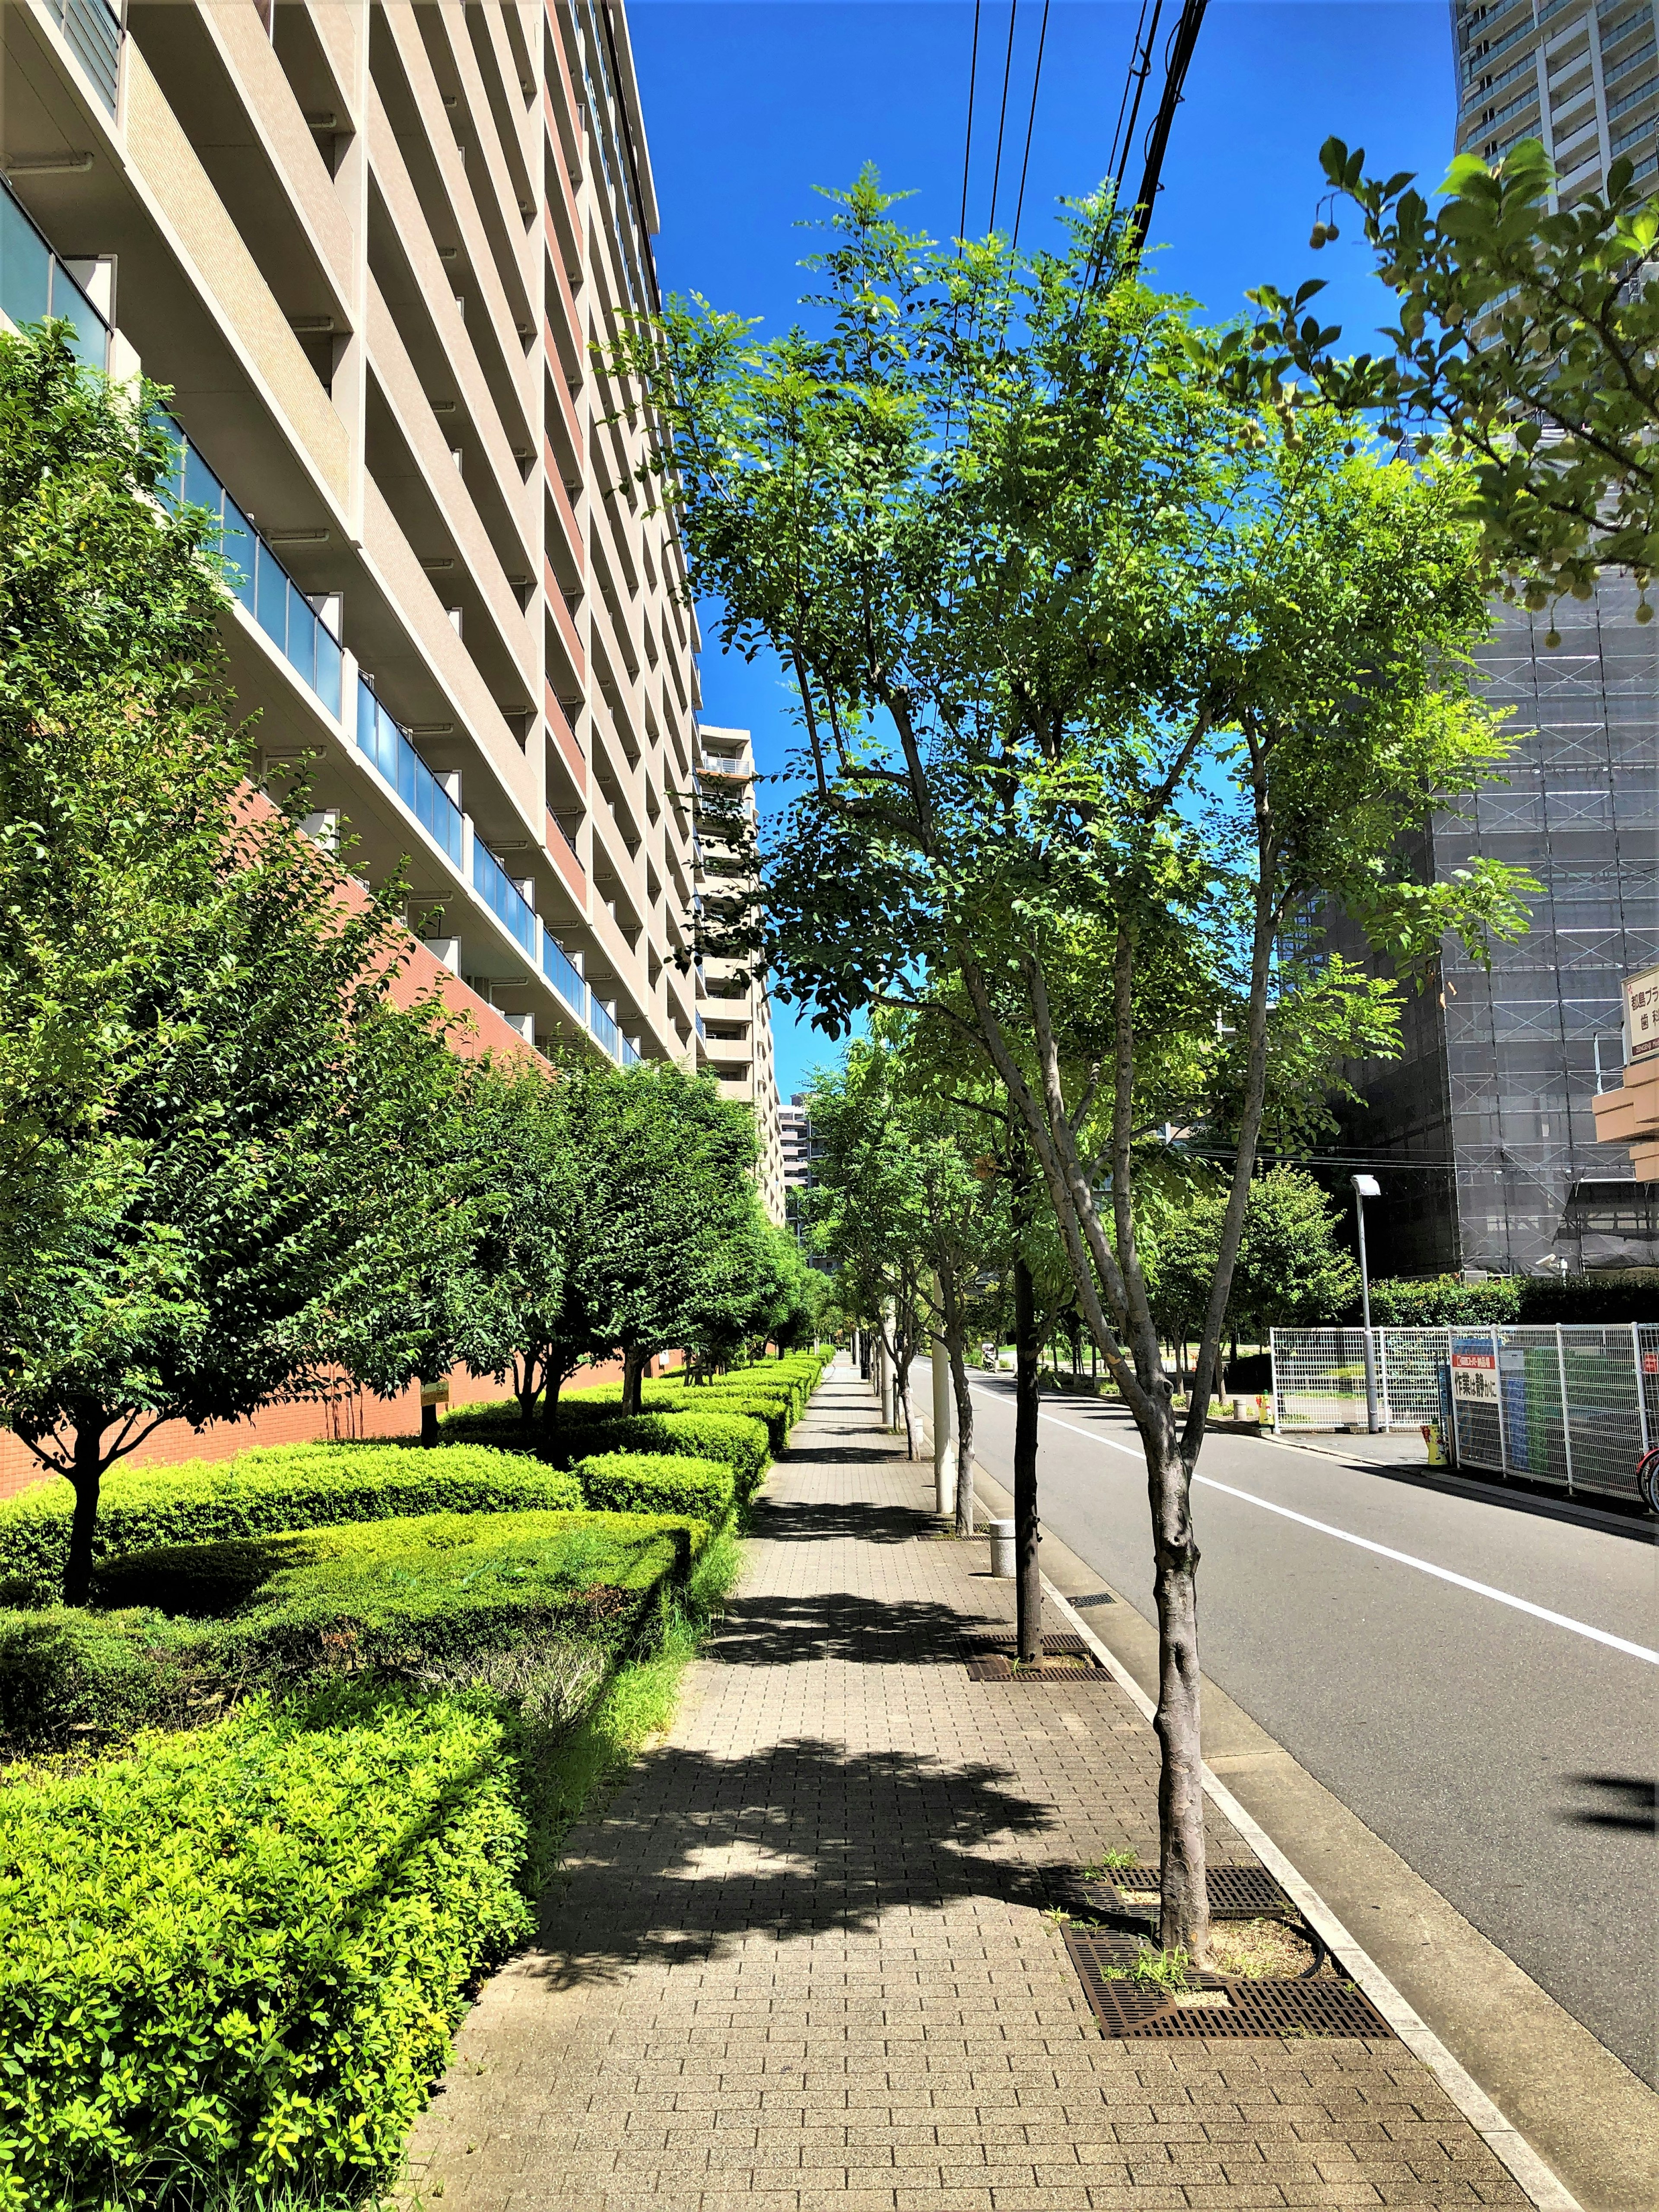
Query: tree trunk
x=429, y=1426
x=1185, y=1920
x=553, y=1376
x=964, y=1402
x=524, y=1384
x=912, y=1426
x=86, y=1476
x=634, y=1367
x=1028, y=1588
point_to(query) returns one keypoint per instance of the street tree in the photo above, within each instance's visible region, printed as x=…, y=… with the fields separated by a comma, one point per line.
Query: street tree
x=1525, y=337
x=1102, y=677
x=867, y=1207
x=673, y=1239
x=223, y=1172
x=1291, y=1272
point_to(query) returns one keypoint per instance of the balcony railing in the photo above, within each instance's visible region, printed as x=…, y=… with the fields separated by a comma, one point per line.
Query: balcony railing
x=562, y=973
x=92, y=31
x=259, y=579
x=503, y=898
x=605, y=1029
x=385, y=745
x=627, y=1055
x=35, y=283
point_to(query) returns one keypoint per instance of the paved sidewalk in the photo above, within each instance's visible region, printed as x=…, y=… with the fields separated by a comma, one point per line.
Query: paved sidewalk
x=802, y=1959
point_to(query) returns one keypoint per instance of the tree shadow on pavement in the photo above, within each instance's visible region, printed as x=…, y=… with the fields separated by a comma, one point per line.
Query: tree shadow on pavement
x=799, y=1838
x=772, y=1631
x=790, y=1522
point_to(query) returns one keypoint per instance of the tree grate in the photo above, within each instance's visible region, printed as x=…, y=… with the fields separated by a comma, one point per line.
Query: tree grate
x=1213, y=2007
x=1064, y=1658
x=1236, y=1893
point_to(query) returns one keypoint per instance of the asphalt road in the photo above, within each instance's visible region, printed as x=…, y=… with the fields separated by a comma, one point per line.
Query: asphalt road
x=1509, y=1758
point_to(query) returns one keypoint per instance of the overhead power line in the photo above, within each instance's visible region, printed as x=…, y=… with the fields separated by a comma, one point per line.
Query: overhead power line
x=1031, y=124
x=1176, y=61
x=1002, y=117
x=968, y=137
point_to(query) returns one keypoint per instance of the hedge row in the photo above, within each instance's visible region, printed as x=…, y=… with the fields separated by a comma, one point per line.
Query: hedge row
x=249, y=1938
x=191, y=1628
x=1613, y=1297
x=289, y=1487
x=641, y=1482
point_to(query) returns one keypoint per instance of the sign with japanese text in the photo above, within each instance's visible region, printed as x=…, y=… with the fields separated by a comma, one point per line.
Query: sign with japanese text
x=1642, y=1015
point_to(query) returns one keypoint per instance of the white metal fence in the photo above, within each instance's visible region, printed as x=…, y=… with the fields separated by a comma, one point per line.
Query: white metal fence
x=1574, y=1408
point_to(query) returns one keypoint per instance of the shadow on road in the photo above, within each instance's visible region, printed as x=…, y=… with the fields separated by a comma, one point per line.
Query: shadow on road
x=1624, y=1801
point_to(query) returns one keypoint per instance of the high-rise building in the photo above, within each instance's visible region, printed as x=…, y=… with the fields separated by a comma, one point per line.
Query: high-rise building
x=797, y=1124
x=1581, y=75
x=733, y=1010
x=369, y=248
x=1485, y=1142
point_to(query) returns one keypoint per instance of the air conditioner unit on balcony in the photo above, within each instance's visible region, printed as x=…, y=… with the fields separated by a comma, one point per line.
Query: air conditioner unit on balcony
x=524, y=1023
x=445, y=950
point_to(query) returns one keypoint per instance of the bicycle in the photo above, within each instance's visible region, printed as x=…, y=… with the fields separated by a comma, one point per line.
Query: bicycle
x=1647, y=1479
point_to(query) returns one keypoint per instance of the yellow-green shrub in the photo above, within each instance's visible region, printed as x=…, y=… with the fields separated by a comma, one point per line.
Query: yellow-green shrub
x=289, y=1487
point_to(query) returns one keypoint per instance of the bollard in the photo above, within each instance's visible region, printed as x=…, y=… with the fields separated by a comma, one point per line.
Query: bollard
x=1002, y=1550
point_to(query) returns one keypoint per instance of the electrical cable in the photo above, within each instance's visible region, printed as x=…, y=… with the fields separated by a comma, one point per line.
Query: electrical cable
x=967, y=141
x=1030, y=125
x=1002, y=120
x=1177, y=60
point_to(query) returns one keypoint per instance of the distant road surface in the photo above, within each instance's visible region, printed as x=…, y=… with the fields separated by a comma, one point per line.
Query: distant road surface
x=1479, y=1684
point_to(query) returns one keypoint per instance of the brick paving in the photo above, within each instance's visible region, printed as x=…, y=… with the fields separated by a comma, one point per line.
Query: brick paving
x=801, y=1961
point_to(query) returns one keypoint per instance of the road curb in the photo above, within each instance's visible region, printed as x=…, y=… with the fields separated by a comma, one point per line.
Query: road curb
x=1505, y=2141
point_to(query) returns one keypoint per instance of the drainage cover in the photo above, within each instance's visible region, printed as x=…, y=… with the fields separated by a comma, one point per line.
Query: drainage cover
x=1211, y=2006
x=1236, y=1893
x=991, y=1659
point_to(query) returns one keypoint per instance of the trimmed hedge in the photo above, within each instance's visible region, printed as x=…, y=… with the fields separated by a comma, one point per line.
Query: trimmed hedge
x=731, y=1438
x=193, y=1626
x=288, y=1486
x=637, y=1482
x=250, y=1942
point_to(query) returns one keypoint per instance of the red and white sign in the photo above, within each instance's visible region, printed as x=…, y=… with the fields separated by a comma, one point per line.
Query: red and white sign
x=1474, y=1374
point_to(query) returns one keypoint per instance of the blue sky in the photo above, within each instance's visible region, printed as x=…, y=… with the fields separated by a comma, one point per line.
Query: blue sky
x=749, y=104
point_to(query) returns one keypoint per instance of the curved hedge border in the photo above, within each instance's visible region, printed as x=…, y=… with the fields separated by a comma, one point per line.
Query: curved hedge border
x=288, y=1486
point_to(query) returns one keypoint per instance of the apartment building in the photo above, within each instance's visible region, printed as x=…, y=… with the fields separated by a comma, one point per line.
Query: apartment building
x=1581, y=75
x=370, y=248
x=797, y=1125
x=733, y=1012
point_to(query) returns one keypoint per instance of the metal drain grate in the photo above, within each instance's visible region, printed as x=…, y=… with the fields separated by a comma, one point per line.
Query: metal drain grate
x=1136, y=2010
x=1064, y=1658
x=1236, y=1893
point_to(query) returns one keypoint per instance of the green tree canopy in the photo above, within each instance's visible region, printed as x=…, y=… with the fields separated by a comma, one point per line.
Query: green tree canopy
x=1525, y=337
x=1291, y=1272
x=1104, y=676
x=223, y=1172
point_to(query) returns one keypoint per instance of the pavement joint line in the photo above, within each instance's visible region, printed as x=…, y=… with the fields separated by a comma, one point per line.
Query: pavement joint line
x=1504, y=2140
x=1385, y=1551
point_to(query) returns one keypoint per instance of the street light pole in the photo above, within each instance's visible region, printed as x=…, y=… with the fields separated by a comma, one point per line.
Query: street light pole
x=1364, y=1187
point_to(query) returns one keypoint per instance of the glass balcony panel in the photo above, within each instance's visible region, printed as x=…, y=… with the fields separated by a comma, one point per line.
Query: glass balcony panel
x=561, y=972
x=201, y=487
x=302, y=628
x=328, y=669
x=237, y=545
x=25, y=266
x=90, y=341
x=605, y=1029
x=270, y=589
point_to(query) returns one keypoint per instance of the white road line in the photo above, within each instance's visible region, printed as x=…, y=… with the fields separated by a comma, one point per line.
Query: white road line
x=1383, y=1551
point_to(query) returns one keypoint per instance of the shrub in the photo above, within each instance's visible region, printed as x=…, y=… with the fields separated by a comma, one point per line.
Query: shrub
x=1613, y=1296
x=1398, y=1303
x=197, y=1625
x=731, y=1438
x=637, y=1482
x=249, y=1943
x=289, y=1487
